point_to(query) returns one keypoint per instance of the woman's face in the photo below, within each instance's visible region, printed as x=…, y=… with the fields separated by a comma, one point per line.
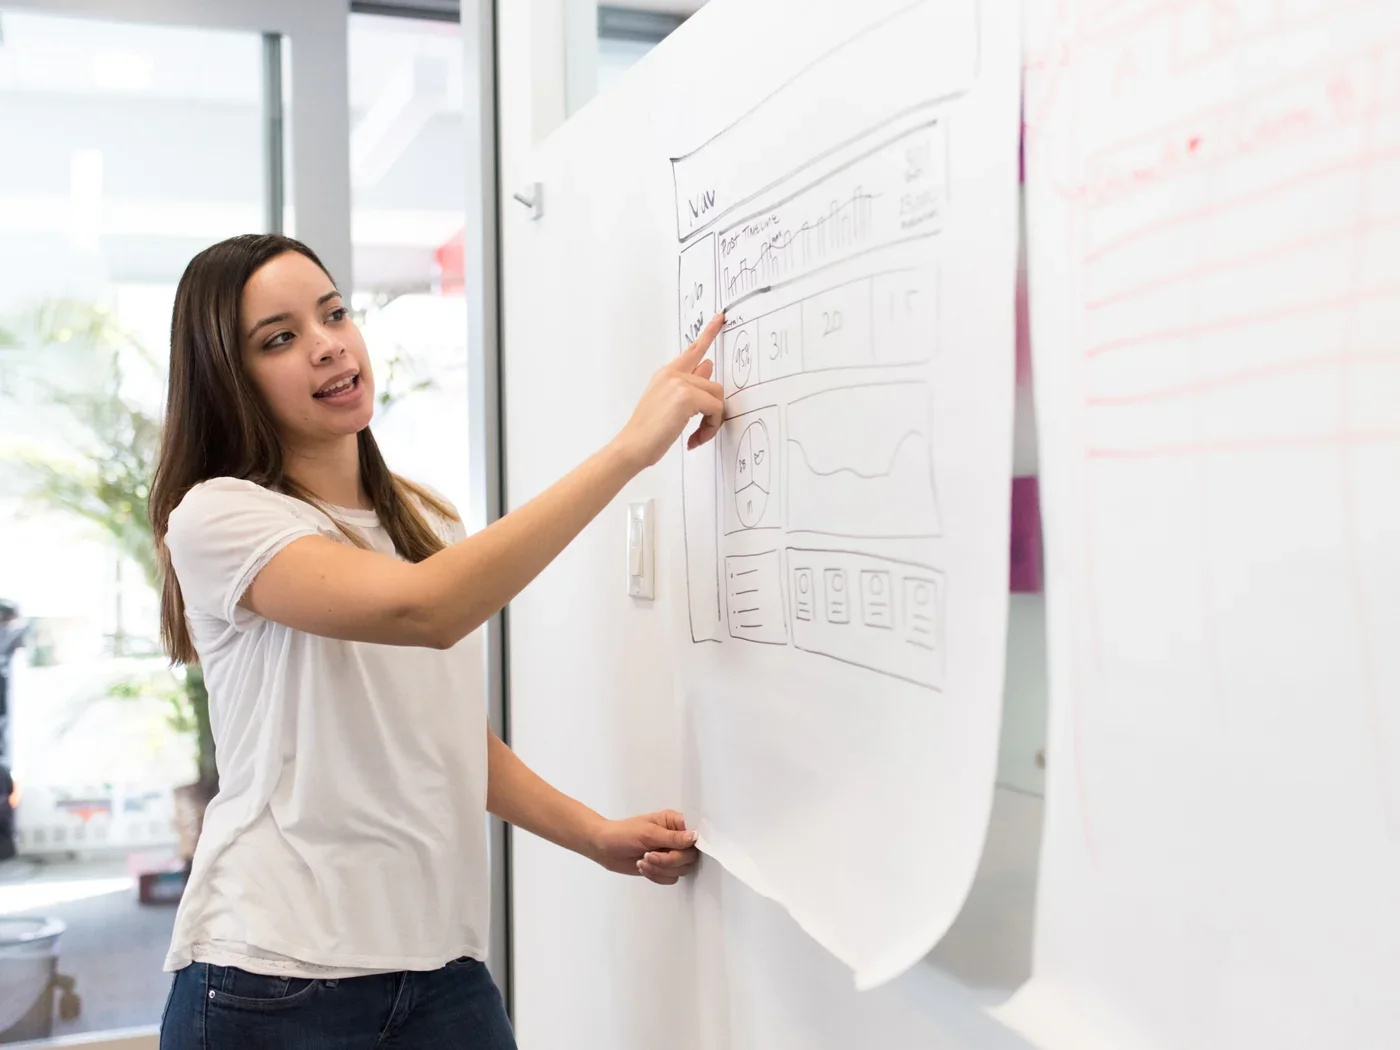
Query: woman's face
x=303, y=353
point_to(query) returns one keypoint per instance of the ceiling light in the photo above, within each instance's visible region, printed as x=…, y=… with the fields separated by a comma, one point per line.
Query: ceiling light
x=122, y=71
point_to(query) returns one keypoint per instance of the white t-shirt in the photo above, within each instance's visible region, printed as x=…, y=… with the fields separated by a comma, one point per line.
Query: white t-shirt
x=349, y=832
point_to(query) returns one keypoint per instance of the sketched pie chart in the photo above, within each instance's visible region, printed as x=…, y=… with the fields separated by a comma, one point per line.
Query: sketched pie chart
x=752, y=470
x=743, y=359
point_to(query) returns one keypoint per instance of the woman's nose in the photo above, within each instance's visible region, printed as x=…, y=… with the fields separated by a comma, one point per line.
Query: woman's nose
x=328, y=347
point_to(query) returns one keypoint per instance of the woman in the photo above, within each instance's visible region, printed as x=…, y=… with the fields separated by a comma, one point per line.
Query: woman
x=339, y=894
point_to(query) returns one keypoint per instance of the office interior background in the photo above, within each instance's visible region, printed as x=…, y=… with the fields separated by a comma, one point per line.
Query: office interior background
x=133, y=136
x=394, y=137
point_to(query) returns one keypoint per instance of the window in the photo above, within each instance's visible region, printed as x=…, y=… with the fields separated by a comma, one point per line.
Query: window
x=128, y=149
x=408, y=196
x=626, y=34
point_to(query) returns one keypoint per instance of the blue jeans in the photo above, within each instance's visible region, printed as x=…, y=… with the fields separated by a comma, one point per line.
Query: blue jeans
x=222, y=1008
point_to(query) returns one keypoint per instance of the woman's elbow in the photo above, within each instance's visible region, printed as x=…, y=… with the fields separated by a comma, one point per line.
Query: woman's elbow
x=422, y=626
x=431, y=625
x=416, y=620
x=442, y=640
x=435, y=620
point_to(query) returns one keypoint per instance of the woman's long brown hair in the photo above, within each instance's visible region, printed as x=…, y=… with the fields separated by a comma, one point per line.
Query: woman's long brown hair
x=216, y=424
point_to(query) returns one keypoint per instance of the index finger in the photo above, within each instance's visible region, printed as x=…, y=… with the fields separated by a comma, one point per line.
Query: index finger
x=693, y=353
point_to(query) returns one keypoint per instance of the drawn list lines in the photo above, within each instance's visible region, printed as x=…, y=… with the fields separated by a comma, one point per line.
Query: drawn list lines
x=1281, y=312
x=1349, y=165
x=1267, y=254
x=1263, y=443
x=755, y=598
x=1276, y=116
x=1247, y=376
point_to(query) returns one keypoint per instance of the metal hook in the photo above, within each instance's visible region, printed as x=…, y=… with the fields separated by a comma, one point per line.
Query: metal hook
x=532, y=198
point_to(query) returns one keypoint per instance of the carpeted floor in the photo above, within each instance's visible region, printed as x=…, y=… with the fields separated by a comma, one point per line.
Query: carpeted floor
x=113, y=946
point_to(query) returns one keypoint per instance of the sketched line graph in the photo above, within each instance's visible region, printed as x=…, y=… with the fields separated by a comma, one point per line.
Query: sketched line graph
x=861, y=463
x=888, y=471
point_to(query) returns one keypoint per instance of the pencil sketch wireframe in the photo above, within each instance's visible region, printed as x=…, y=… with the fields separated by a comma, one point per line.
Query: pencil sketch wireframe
x=828, y=271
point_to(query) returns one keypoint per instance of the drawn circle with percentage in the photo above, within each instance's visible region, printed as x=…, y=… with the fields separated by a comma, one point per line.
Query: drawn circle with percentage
x=742, y=359
x=752, y=471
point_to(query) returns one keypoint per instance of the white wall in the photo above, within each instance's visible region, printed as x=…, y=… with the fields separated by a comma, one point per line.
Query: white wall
x=617, y=964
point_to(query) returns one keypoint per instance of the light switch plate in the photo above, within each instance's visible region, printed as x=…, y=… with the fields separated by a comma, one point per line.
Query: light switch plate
x=641, y=558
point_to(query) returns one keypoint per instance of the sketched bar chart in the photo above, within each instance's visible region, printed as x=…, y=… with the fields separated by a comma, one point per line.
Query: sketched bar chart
x=894, y=194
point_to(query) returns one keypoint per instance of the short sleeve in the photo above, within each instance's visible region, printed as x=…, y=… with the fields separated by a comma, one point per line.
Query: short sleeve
x=221, y=535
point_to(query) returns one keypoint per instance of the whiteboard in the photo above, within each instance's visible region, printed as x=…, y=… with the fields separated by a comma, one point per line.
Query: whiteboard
x=595, y=310
x=1215, y=292
x=849, y=200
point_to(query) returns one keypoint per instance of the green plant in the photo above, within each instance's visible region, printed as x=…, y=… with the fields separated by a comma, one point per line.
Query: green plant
x=167, y=685
x=113, y=441
x=400, y=379
x=397, y=374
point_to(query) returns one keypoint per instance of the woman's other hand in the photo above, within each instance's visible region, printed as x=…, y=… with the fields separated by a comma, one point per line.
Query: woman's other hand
x=656, y=846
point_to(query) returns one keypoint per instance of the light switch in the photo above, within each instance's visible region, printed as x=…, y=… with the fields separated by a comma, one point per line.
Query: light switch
x=640, y=557
x=636, y=545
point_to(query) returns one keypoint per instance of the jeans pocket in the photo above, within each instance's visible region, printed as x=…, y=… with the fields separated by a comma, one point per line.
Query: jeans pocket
x=230, y=986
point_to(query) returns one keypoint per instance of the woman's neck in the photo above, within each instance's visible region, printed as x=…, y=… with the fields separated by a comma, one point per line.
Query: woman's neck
x=330, y=472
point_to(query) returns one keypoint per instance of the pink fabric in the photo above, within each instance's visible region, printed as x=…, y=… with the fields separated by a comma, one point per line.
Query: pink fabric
x=1026, y=574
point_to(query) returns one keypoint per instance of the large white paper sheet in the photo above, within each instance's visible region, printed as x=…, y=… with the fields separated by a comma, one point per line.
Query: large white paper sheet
x=1215, y=293
x=845, y=189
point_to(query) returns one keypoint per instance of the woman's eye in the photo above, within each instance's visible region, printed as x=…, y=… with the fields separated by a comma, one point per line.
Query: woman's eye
x=280, y=339
x=340, y=313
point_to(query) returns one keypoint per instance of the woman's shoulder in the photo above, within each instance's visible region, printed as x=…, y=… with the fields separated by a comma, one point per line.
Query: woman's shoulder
x=230, y=490
x=224, y=496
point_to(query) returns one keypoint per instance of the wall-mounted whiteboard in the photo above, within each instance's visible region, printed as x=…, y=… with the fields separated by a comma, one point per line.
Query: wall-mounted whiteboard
x=1215, y=292
x=843, y=180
